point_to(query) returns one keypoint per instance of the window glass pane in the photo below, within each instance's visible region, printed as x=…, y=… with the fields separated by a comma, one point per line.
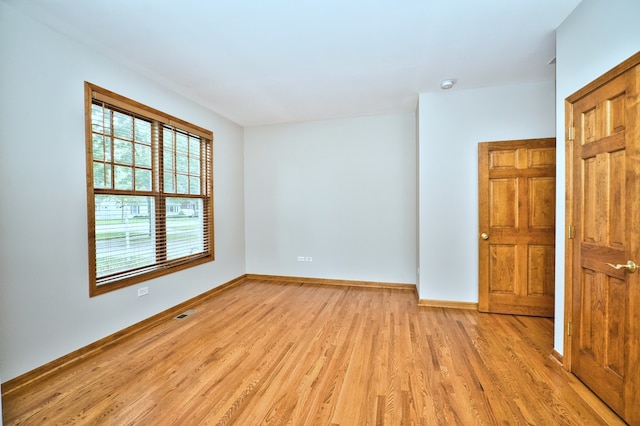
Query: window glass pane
x=108, y=176
x=101, y=175
x=194, y=164
x=107, y=148
x=98, y=147
x=185, y=227
x=182, y=143
x=100, y=119
x=143, y=180
x=97, y=114
x=168, y=183
x=101, y=147
x=122, y=125
x=143, y=131
x=123, y=177
x=194, y=185
x=122, y=151
x=182, y=163
x=168, y=152
x=167, y=160
x=143, y=155
x=125, y=231
x=194, y=146
x=183, y=184
x=99, y=178
x=167, y=139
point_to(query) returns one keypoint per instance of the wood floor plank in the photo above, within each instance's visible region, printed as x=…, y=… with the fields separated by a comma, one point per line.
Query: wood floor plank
x=267, y=352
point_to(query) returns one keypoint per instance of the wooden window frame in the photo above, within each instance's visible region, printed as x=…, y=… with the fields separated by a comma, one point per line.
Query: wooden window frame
x=161, y=123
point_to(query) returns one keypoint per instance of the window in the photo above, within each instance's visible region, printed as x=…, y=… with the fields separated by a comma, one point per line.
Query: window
x=150, y=192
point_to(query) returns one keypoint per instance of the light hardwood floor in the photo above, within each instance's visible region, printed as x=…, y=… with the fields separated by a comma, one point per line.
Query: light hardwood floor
x=281, y=353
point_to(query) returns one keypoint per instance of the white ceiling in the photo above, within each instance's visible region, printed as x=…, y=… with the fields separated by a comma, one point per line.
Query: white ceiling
x=264, y=62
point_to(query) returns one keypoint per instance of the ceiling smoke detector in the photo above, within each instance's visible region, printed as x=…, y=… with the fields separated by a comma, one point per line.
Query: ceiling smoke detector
x=447, y=84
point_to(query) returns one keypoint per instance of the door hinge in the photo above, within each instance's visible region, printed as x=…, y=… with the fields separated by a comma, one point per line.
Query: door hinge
x=572, y=133
x=572, y=232
x=569, y=329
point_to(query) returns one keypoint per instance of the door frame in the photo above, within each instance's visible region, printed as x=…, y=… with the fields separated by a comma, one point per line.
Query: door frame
x=569, y=198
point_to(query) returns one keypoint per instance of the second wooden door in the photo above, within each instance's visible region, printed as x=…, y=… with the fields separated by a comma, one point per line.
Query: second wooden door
x=517, y=227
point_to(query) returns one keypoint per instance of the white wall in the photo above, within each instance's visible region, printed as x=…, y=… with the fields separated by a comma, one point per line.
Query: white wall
x=45, y=309
x=339, y=191
x=451, y=125
x=597, y=36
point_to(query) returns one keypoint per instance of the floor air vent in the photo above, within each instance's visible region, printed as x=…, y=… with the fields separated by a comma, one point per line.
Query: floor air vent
x=185, y=314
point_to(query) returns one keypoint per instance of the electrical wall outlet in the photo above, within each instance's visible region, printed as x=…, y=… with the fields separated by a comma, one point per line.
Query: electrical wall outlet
x=308, y=259
x=143, y=291
x=300, y=258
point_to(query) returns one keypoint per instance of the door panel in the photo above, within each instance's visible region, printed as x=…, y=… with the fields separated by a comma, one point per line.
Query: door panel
x=517, y=218
x=606, y=191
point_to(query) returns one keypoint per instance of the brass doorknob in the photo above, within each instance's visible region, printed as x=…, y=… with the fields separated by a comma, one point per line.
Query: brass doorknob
x=629, y=266
x=484, y=236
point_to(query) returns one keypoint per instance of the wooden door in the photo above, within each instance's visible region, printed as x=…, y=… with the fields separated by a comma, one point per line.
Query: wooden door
x=604, y=138
x=517, y=227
